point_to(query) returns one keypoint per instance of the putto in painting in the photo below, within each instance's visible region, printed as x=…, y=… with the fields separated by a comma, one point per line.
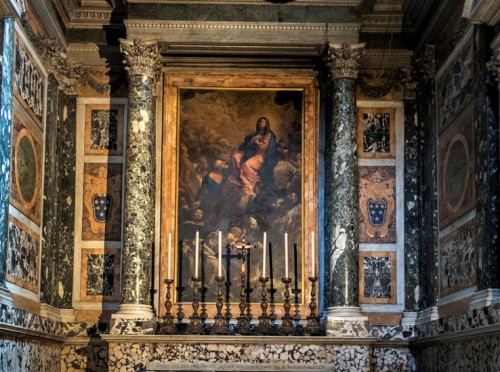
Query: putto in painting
x=240, y=172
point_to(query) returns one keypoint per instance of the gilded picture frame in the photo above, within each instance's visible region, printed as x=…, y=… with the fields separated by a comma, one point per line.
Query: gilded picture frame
x=213, y=88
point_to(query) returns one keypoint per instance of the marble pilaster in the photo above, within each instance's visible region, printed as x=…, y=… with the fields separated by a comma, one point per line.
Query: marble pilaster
x=341, y=185
x=5, y=139
x=428, y=147
x=487, y=162
x=143, y=69
x=412, y=202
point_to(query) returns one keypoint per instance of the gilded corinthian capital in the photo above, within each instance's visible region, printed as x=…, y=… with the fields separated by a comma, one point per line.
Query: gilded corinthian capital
x=344, y=60
x=142, y=57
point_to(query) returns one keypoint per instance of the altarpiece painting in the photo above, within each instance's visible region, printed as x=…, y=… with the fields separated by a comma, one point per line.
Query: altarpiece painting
x=241, y=169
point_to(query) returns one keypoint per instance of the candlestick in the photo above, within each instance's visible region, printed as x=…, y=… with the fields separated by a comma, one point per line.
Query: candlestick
x=220, y=327
x=195, y=327
x=286, y=255
x=271, y=290
x=287, y=328
x=264, y=327
x=220, y=253
x=296, y=290
x=197, y=251
x=169, y=255
x=312, y=327
x=264, y=248
x=168, y=327
x=242, y=326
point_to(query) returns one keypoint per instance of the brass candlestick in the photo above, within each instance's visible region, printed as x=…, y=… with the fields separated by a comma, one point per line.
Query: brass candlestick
x=195, y=327
x=242, y=326
x=287, y=327
x=220, y=327
x=264, y=327
x=312, y=327
x=168, y=327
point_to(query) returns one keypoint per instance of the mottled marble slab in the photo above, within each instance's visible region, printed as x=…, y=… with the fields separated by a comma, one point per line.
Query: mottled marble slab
x=100, y=278
x=458, y=259
x=102, y=188
x=376, y=132
x=26, y=170
x=378, y=277
x=377, y=204
x=457, y=167
x=104, y=126
x=29, y=80
x=23, y=260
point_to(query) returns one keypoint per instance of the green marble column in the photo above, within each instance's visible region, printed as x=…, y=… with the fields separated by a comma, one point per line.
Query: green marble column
x=341, y=184
x=143, y=69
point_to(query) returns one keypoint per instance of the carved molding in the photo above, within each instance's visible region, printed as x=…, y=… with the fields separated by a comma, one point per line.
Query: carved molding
x=424, y=65
x=66, y=75
x=255, y=2
x=344, y=60
x=482, y=11
x=142, y=57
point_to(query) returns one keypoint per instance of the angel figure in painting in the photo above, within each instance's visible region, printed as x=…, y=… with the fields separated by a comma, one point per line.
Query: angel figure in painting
x=257, y=157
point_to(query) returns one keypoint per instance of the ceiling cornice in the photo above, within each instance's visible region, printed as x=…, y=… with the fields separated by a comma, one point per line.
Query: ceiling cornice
x=349, y=3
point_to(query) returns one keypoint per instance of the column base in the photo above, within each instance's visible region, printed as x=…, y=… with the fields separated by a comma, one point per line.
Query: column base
x=5, y=296
x=135, y=319
x=427, y=315
x=409, y=318
x=346, y=321
x=484, y=298
x=50, y=312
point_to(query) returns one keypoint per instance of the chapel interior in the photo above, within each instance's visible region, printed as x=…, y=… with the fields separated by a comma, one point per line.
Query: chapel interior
x=249, y=185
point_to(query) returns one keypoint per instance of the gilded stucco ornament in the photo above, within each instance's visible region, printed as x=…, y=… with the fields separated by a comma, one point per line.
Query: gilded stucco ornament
x=67, y=75
x=142, y=57
x=344, y=60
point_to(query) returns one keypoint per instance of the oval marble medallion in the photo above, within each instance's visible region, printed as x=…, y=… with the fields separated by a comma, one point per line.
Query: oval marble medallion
x=26, y=167
x=456, y=171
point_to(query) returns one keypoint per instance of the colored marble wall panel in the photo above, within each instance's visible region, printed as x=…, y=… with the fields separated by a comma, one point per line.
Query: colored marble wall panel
x=377, y=202
x=26, y=171
x=23, y=255
x=376, y=133
x=101, y=219
x=104, y=129
x=457, y=163
x=455, y=86
x=378, y=277
x=100, y=275
x=458, y=259
x=29, y=82
x=5, y=139
x=23, y=354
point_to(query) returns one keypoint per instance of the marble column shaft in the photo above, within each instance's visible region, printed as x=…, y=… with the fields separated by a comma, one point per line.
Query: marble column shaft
x=341, y=177
x=5, y=139
x=138, y=232
x=486, y=133
x=412, y=201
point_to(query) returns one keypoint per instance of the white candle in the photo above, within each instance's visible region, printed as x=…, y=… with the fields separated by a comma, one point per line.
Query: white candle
x=312, y=254
x=196, y=253
x=169, y=255
x=286, y=255
x=264, y=248
x=220, y=253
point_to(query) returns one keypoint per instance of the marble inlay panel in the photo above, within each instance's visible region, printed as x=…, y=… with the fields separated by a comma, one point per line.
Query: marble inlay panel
x=458, y=259
x=23, y=255
x=104, y=129
x=5, y=138
x=101, y=217
x=378, y=277
x=26, y=171
x=19, y=354
x=376, y=133
x=100, y=275
x=29, y=82
x=394, y=359
x=377, y=202
x=455, y=86
x=456, y=161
